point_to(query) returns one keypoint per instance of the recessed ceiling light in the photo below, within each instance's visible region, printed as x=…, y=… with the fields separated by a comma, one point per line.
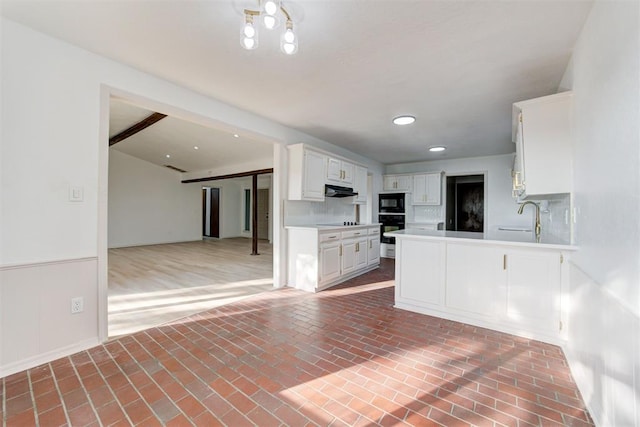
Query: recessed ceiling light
x=195, y=147
x=235, y=135
x=437, y=148
x=168, y=156
x=403, y=120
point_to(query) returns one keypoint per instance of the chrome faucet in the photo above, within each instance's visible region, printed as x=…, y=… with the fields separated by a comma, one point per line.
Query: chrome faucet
x=521, y=208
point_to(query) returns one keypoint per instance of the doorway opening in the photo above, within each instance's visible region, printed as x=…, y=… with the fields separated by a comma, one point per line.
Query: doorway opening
x=211, y=212
x=465, y=203
x=263, y=214
x=160, y=269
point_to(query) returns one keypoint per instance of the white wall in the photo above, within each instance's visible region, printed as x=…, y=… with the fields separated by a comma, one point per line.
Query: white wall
x=501, y=208
x=55, y=100
x=149, y=205
x=604, y=327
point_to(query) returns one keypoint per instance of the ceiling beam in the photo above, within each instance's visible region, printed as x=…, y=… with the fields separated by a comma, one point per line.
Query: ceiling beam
x=233, y=175
x=141, y=125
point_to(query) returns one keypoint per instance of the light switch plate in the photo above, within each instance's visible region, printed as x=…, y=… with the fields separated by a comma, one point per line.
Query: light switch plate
x=76, y=193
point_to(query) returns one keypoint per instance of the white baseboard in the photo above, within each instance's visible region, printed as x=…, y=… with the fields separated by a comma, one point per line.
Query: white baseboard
x=32, y=362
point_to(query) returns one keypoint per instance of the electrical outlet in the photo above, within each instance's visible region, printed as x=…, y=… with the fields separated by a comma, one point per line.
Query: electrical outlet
x=77, y=305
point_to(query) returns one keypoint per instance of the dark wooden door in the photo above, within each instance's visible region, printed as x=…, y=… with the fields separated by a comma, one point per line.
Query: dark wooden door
x=214, y=213
x=204, y=211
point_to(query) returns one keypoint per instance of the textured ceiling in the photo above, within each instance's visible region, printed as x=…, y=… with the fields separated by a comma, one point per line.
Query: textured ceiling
x=456, y=65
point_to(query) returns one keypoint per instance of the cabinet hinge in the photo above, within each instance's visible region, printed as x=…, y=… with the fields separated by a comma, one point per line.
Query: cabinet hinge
x=561, y=258
x=520, y=117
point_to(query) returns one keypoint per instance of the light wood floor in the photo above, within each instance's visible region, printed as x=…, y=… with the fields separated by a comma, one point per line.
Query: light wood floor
x=156, y=284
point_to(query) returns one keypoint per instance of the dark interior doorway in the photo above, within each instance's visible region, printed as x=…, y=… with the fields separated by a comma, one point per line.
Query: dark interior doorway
x=211, y=212
x=465, y=203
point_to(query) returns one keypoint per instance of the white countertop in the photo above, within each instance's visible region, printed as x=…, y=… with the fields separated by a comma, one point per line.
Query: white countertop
x=508, y=238
x=324, y=227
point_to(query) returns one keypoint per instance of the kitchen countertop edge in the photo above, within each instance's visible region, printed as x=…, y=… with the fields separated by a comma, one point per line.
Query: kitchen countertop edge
x=439, y=235
x=330, y=227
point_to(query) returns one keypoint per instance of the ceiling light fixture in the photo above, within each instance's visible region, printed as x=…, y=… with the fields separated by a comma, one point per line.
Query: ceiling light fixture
x=269, y=12
x=437, y=148
x=168, y=156
x=235, y=135
x=195, y=147
x=403, y=120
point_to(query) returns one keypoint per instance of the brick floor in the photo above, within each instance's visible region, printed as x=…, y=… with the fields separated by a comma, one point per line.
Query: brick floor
x=340, y=357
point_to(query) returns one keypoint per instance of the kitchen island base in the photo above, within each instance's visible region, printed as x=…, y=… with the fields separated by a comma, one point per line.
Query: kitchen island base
x=505, y=286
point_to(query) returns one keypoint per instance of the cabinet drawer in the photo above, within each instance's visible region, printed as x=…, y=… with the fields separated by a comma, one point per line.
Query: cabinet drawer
x=329, y=237
x=374, y=230
x=354, y=233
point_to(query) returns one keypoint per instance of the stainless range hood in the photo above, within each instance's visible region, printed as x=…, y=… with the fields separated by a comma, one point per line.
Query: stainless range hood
x=337, y=191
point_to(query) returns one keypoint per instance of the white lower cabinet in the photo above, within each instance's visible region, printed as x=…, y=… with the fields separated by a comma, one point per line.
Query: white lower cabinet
x=319, y=259
x=421, y=272
x=361, y=253
x=476, y=280
x=330, y=259
x=511, y=289
x=348, y=256
x=534, y=289
x=373, y=251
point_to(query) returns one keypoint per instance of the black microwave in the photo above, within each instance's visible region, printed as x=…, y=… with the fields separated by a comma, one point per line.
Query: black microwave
x=391, y=203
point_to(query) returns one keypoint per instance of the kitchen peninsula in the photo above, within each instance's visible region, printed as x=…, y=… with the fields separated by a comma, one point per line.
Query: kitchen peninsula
x=513, y=285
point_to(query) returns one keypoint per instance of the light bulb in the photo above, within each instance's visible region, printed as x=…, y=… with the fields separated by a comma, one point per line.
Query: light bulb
x=288, y=40
x=289, y=48
x=249, y=30
x=270, y=7
x=289, y=36
x=249, y=43
x=270, y=22
x=248, y=34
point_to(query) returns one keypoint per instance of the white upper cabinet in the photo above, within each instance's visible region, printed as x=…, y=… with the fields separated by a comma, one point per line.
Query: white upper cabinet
x=310, y=169
x=360, y=184
x=542, y=134
x=339, y=171
x=426, y=189
x=401, y=183
x=306, y=174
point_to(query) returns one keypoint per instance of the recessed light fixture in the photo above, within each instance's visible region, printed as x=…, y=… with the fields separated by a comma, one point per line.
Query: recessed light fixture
x=403, y=120
x=437, y=148
x=168, y=156
x=235, y=135
x=195, y=147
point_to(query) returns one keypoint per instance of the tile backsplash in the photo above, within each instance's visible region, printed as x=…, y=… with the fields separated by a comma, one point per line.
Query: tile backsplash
x=427, y=214
x=332, y=210
x=555, y=218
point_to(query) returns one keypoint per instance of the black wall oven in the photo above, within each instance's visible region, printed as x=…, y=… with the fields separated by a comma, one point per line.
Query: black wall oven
x=391, y=202
x=390, y=223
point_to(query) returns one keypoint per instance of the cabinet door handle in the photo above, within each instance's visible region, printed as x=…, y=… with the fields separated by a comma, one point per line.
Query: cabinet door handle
x=504, y=261
x=358, y=247
x=340, y=250
x=332, y=237
x=370, y=244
